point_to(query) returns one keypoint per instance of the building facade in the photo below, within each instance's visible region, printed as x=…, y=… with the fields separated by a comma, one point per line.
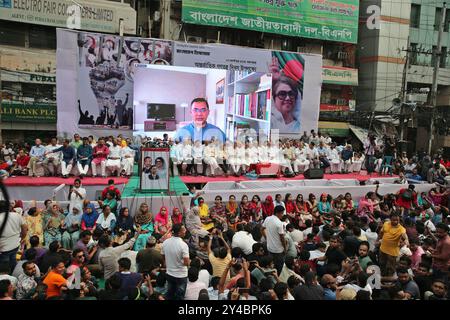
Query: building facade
x=408, y=30
x=28, y=57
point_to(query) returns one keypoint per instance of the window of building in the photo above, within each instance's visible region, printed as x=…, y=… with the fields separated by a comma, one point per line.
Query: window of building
x=433, y=57
x=415, y=16
x=437, y=18
x=42, y=37
x=443, y=58
x=413, y=54
x=13, y=33
x=447, y=20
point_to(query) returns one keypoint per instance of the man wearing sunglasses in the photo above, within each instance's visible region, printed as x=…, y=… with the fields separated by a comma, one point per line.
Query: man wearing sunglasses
x=284, y=111
x=200, y=129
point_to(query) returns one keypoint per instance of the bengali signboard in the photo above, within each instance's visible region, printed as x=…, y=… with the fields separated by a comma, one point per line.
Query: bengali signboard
x=334, y=129
x=18, y=111
x=102, y=17
x=339, y=75
x=28, y=77
x=317, y=19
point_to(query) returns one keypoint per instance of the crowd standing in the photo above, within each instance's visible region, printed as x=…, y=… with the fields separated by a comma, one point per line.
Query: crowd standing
x=281, y=247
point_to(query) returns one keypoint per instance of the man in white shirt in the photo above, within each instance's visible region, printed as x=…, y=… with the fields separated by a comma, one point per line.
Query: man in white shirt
x=113, y=162
x=175, y=254
x=13, y=234
x=127, y=155
x=52, y=159
x=312, y=155
x=273, y=231
x=194, y=285
x=335, y=159
x=210, y=157
x=300, y=163
x=243, y=239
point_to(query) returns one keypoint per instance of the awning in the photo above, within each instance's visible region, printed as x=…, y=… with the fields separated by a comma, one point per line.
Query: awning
x=359, y=132
x=334, y=129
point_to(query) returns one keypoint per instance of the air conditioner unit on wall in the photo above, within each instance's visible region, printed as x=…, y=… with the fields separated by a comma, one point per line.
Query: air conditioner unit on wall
x=313, y=48
x=194, y=39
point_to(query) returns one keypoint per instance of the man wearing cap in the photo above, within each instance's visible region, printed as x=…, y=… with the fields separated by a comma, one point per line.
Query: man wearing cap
x=273, y=230
x=149, y=258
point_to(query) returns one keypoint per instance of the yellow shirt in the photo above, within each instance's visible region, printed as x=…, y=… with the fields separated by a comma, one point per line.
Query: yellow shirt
x=204, y=213
x=391, y=239
x=219, y=265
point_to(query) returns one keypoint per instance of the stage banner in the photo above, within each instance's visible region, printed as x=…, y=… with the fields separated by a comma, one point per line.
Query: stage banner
x=95, y=79
x=296, y=79
x=95, y=82
x=317, y=19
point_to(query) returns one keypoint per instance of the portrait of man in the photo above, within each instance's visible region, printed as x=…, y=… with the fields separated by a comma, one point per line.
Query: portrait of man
x=200, y=129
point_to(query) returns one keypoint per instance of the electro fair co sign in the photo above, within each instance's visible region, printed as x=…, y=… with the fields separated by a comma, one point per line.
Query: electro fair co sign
x=59, y=13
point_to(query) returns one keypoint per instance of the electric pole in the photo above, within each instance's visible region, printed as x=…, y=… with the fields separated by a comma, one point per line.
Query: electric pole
x=404, y=127
x=433, y=93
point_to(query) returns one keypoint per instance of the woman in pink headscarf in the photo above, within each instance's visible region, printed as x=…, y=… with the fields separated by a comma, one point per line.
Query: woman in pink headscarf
x=177, y=216
x=163, y=224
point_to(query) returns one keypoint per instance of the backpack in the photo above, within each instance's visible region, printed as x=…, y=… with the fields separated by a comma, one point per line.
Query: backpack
x=407, y=195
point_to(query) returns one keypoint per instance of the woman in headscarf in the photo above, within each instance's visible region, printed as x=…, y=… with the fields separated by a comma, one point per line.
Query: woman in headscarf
x=90, y=216
x=204, y=215
x=177, y=216
x=125, y=223
x=144, y=219
x=324, y=205
x=53, y=224
x=34, y=221
x=163, y=224
x=232, y=211
x=218, y=213
x=291, y=209
x=256, y=209
x=18, y=206
x=267, y=207
x=194, y=224
x=72, y=226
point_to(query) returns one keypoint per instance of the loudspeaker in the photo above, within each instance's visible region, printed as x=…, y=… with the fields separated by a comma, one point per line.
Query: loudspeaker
x=313, y=174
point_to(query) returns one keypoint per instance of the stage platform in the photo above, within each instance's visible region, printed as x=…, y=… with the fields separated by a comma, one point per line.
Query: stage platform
x=362, y=176
x=26, y=181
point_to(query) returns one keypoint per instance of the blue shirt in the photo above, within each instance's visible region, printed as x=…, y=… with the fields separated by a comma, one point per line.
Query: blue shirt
x=37, y=151
x=68, y=153
x=203, y=134
x=329, y=294
x=414, y=177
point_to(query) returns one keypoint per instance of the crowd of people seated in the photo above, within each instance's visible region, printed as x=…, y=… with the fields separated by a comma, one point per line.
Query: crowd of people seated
x=79, y=157
x=290, y=157
x=279, y=247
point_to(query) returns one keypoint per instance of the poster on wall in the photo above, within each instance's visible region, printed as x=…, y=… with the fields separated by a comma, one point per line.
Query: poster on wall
x=154, y=169
x=105, y=77
x=318, y=19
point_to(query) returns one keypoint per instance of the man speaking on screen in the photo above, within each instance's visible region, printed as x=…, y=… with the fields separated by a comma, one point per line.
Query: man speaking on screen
x=200, y=129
